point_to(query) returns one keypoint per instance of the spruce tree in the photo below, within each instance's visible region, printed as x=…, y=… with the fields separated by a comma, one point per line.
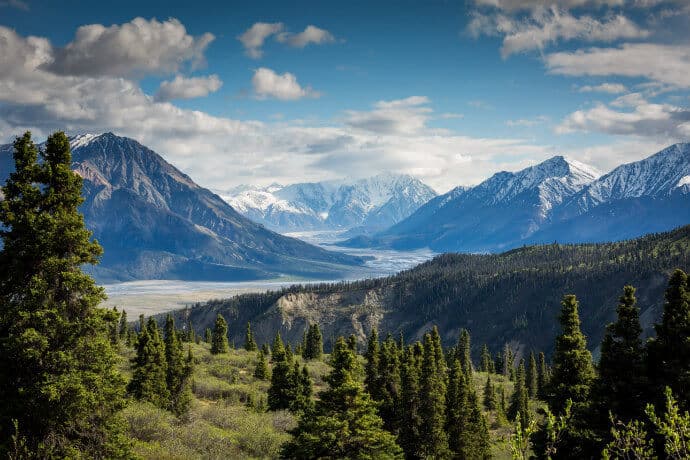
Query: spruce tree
x=219, y=338
x=352, y=343
x=464, y=353
x=208, y=335
x=542, y=375
x=519, y=405
x=344, y=423
x=388, y=388
x=179, y=370
x=371, y=369
x=507, y=360
x=149, y=382
x=261, y=370
x=487, y=362
x=59, y=378
x=124, y=326
x=302, y=389
x=314, y=343
x=249, y=343
x=531, y=378
x=573, y=371
x=284, y=388
x=411, y=421
x=476, y=443
x=490, y=402
x=669, y=352
x=277, y=349
x=456, y=406
x=433, y=438
x=620, y=387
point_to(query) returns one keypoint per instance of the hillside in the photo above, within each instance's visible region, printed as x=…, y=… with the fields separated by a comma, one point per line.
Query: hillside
x=509, y=297
x=155, y=222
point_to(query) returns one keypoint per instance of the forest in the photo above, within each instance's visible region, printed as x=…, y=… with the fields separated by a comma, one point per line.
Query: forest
x=79, y=381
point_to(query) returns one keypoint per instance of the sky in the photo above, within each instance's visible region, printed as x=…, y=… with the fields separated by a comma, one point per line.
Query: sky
x=273, y=91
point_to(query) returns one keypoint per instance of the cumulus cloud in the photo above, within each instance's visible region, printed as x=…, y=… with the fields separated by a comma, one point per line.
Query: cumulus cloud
x=311, y=34
x=645, y=119
x=516, y=5
x=402, y=116
x=668, y=64
x=254, y=37
x=547, y=26
x=188, y=88
x=269, y=84
x=135, y=48
x=611, y=88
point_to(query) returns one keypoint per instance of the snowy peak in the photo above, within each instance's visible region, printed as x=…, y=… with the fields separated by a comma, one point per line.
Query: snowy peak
x=373, y=203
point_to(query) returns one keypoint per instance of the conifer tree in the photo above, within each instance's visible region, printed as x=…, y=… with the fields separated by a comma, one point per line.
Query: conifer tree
x=388, y=387
x=113, y=326
x=371, y=369
x=439, y=356
x=620, y=387
x=261, y=370
x=208, y=335
x=487, y=362
x=249, y=343
x=519, y=406
x=277, y=349
x=490, y=402
x=411, y=421
x=476, y=443
x=573, y=372
x=59, y=379
x=301, y=401
x=219, y=338
x=433, y=438
x=531, y=378
x=463, y=351
x=124, y=326
x=150, y=368
x=314, y=343
x=344, y=423
x=542, y=375
x=283, y=390
x=179, y=370
x=352, y=343
x=507, y=360
x=669, y=352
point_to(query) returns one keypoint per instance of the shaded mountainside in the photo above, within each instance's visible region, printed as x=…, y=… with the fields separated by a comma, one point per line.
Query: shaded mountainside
x=557, y=200
x=513, y=297
x=154, y=222
x=363, y=206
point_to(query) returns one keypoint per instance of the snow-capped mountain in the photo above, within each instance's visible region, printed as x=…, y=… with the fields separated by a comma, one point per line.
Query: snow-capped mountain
x=154, y=222
x=557, y=200
x=497, y=213
x=367, y=204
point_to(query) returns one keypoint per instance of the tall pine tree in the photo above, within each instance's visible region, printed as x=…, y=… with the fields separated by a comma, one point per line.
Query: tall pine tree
x=249, y=343
x=432, y=390
x=219, y=336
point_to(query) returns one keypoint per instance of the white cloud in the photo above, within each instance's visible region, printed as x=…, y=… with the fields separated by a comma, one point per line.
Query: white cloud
x=515, y=5
x=268, y=84
x=311, y=34
x=254, y=37
x=611, y=88
x=669, y=64
x=188, y=88
x=646, y=119
x=135, y=48
x=402, y=116
x=528, y=122
x=547, y=26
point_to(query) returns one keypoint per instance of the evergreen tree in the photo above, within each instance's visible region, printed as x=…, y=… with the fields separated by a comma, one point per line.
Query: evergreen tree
x=302, y=389
x=208, y=335
x=219, y=338
x=149, y=382
x=249, y=343
x=113, y=327
x=344, y=423
x=507, y=360
x=620, y=387
x=411, y=421
x=277, y=349
x=314, y=344
x=456, y=406
x=433, y=438
x=476, y=443
x=179, y=370
x=490, y=402
x=669, y=352
x=573, y=372
x=388, y=388
x=371, y=369
x=352, y=343
x=261, y=370
x=124, y=326
x=531, y=378
x=463, y=351
x=542, y=375
x=59, y=381
x=487, y=362
x=283, y=390
x=519, y=405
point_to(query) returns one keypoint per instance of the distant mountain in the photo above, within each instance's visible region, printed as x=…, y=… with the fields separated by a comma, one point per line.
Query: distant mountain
x=498, y=213
x=513, y=297
x=362, y=206
x=154, y=222
x=558, y=200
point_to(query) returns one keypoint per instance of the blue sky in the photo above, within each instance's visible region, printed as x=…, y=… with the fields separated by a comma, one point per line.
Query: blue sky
x=257, y=92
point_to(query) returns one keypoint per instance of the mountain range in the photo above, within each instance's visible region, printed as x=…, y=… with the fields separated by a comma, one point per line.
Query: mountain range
x=362, y=206
x=559, y=199
x=155, y=222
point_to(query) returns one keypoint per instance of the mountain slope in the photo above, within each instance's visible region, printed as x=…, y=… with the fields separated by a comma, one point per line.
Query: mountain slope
x=366, y=205
x=496, y=214
x=155, y=222
x=513, y=297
